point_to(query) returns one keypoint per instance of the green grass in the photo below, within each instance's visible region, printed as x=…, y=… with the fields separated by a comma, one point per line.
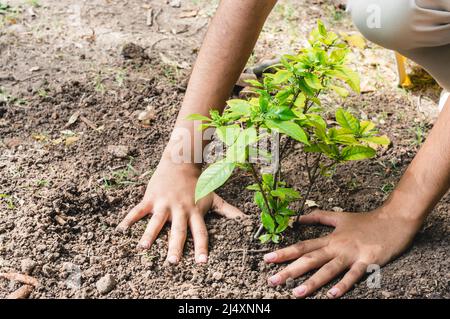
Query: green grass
x=121, y=177
x=8, y=200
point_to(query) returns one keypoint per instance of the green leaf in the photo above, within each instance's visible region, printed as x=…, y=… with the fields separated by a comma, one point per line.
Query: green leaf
x=347, y=120
x=284, y=193
x=283, y=113
x=268, y=222
x=312, y=148
x=198, y=117
x=300, y=101
x=321, y=28
x=340, y=90
x=366, y=127
x=349, y=76
x=259, y=200
x=239, y=106
x=254, y=83
x=287, y=212
x=267, y=179
x=283, y=95
x=281, y=77
x=356, y=153
x=289, y=128
x=283, y=223
x=212, y=178
x=379, y=140
x=313, y=81
x=237, y=152
x=253, y=187
x=276, y=238
x=228, y=134
x=265, y=238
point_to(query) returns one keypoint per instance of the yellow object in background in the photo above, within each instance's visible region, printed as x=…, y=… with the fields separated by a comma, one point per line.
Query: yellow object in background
x=404, y=79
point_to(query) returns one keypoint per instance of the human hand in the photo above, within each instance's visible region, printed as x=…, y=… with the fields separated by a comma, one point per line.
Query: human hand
x=357, y=241
x=170, y=197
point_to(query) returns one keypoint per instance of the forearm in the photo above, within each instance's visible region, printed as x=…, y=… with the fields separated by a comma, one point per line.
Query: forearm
x=227, y=46
x=427, y=178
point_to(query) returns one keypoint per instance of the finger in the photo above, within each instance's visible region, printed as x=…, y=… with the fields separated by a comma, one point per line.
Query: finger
x=178, y=233
x=320, y=217
x=153, y=228
x=136, y=213
x=221, y=207
x=200, y=235
x=350, y=278
x=301, y=266
x=295, y=251
x=324, y=275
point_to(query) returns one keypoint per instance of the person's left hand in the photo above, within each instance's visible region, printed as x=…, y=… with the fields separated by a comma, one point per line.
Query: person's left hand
x=357, y=241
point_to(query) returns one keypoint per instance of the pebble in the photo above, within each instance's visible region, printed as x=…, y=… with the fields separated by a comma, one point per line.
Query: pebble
x=106, y=284
x=386, y=294
x=28, y=265
x=217, y=276
x=120, y=151
x=175, y=3
x=290, y=283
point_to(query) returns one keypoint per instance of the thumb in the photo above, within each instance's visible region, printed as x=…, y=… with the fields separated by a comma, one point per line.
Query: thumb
x=221, y=207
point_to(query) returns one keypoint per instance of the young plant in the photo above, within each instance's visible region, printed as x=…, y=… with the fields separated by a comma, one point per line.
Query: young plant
x=288, y=103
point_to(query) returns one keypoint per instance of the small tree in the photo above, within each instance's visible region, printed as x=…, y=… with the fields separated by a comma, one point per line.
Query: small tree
x=288, y=102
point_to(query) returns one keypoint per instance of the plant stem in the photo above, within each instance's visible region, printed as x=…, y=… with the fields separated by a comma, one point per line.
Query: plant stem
x=266, y=202
x=255, y=176
x=312, y=178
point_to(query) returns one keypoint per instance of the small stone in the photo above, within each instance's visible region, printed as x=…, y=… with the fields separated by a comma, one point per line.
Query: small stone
x=41, y=247
x=106, y=284
x=175, y=3
x=386, y=294
x=148, y=115
x=48, y=270
x=247, y=222
x=217, y=276
x=13, y=142
x=120, y=151
x=290, y=283
x=28, y=265
x=256, y=295
x=338, y=209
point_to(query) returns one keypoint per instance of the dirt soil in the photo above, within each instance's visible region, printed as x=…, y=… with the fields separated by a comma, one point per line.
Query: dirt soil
x=75, y=157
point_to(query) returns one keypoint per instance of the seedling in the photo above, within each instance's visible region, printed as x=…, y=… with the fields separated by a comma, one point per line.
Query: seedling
x=288, y=103
x=8, y=200
x=121, y=177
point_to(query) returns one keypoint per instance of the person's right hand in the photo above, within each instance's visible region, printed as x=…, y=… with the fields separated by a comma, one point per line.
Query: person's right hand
x=170, y=197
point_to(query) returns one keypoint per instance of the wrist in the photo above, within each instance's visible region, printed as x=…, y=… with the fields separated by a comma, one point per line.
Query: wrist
x=400, y=205
x=173, y=155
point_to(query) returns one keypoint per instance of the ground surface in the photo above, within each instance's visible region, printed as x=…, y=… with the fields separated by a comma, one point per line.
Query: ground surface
x=71, y=94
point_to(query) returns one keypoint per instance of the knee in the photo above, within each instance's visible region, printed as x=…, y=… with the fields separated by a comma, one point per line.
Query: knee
x=387, y=23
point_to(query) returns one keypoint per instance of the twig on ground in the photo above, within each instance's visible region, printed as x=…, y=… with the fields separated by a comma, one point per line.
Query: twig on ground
x=21, y=293
x=25, y=279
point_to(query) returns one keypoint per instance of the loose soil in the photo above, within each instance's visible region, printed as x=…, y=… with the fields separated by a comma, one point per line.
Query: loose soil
x=74, y=157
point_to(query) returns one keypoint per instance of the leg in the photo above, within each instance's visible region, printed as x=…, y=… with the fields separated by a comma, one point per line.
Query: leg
x=417, y=29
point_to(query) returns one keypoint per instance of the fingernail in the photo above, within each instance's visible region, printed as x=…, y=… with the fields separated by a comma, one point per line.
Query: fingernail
x=300, y=291
x=142, y=246
x=202, y=259
x=333, y=292
x=121, y=228
x=275, y=280
x=173, y=259
x=270, y=257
